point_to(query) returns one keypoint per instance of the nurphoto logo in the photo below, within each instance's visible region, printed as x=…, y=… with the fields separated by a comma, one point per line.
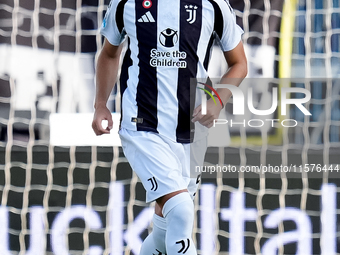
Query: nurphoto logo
x=280, y=97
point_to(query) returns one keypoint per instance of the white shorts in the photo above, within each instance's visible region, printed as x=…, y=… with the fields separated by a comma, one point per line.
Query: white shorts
x=162, y=165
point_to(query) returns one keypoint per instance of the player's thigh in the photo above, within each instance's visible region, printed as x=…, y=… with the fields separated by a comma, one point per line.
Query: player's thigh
x=155, y=162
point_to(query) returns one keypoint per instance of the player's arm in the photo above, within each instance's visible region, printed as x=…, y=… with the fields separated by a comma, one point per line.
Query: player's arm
x=106, y=75
x=236, y=72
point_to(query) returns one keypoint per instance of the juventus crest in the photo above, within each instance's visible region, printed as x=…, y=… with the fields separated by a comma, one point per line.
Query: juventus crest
x=191, y=9
x=153, y=183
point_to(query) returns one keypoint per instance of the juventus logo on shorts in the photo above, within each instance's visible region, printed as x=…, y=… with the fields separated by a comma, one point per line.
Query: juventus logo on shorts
x=191, y=9
x=153, y=183
x=185, y=246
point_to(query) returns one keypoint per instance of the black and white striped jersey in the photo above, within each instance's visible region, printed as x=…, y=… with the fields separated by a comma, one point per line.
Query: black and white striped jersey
x=169, y=43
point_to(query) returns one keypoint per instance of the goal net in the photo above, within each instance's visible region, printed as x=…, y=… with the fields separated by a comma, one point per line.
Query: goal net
x=269, y=183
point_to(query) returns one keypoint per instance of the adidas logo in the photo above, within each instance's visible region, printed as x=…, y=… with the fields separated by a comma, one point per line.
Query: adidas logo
x=147, y=17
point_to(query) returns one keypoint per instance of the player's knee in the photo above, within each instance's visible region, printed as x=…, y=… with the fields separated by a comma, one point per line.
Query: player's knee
x=184, y=213
x=180, y=210
x=179, y=216
x=179, y=235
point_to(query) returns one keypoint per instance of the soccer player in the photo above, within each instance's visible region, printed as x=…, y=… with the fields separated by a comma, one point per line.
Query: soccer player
x=168, y=44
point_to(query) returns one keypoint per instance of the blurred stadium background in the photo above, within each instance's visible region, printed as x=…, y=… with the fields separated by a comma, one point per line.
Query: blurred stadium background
x=64, y=191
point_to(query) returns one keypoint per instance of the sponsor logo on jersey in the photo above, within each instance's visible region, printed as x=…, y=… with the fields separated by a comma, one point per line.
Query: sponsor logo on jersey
x=168, y=37
x=174, y=58
x=168, y=58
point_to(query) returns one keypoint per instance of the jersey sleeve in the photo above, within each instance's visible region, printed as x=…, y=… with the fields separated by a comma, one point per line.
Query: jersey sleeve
x=232, y=33
x=109, y=27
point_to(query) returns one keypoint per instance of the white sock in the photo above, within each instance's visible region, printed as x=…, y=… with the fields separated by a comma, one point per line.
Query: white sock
x=178, y=212
x=155, y=241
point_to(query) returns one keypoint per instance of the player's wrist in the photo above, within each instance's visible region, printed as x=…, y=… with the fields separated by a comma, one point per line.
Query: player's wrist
x=220, y=101
x=99, y=104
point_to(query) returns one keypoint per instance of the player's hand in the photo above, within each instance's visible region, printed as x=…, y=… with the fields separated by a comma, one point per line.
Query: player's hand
x=102, y=113
x=213, y=112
